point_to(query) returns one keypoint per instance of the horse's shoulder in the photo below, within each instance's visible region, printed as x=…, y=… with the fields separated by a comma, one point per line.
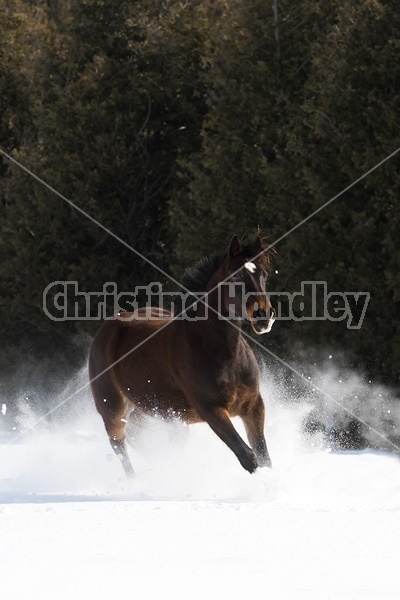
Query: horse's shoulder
x=248, y=370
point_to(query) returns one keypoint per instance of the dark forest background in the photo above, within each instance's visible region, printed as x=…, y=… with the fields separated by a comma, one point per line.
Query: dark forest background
x=176, y=124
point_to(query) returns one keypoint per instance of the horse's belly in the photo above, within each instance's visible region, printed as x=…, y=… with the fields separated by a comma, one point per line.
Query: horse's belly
x=163, y=402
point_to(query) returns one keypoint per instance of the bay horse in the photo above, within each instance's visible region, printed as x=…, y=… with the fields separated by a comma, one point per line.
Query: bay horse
x=193, y=363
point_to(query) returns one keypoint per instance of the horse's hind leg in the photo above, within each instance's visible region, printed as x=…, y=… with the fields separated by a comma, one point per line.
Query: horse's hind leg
x=119, y=447
x=114, y=409
x=134, y=426
x=115, y=427
x=253, y=420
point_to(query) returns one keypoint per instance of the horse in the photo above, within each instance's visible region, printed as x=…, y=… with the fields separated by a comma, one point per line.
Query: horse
x=193, y=363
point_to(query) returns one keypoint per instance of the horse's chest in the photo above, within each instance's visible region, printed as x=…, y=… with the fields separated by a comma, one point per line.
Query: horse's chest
x=242, y=376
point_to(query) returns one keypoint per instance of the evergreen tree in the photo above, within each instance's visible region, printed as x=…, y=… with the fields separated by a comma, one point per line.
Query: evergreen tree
x=344, y=128
x=114, y=100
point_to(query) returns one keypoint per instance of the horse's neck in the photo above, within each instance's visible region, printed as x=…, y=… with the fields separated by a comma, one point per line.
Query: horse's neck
x=226, y=305
x=217, y=323
x=211, y=320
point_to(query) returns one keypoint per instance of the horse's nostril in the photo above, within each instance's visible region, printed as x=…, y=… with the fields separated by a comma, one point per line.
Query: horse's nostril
x=259, y=314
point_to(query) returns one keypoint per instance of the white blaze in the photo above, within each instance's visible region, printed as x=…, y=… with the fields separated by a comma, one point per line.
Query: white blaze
x=250, y=266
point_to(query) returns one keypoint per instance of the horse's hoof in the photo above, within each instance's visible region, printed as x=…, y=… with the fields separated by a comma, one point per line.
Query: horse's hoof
x=249, y=462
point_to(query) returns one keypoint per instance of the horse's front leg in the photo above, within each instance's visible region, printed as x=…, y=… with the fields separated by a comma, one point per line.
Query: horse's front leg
x=220, y=422
x=253, y=420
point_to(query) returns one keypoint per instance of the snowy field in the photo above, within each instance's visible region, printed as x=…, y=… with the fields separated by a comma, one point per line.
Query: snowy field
x=194, y=524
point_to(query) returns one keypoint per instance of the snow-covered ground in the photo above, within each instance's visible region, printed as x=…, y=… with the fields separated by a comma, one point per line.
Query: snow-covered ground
x=194, y=524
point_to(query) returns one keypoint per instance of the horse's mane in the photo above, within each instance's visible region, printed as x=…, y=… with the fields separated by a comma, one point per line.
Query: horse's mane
x=195, y=279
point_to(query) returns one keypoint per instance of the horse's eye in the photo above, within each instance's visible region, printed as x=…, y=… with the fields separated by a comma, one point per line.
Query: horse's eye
x=236, y=277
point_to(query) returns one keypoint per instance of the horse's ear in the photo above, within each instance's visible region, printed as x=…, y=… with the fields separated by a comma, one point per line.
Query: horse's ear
x=234, y=247
x=258, y=245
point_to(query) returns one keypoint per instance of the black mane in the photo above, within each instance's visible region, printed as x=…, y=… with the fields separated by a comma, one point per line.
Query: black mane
x=195, y=279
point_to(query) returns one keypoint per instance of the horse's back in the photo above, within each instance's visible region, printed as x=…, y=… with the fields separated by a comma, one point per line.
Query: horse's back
x=145, y=313
x=122, y=332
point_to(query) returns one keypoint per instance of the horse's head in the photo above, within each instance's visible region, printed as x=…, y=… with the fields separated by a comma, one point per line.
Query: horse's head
x=248, y=266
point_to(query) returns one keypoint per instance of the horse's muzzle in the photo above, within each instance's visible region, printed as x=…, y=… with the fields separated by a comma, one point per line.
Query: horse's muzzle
x=262, y=322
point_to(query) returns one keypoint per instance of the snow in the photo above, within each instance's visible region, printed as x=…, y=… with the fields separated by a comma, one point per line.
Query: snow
x=194, y=524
